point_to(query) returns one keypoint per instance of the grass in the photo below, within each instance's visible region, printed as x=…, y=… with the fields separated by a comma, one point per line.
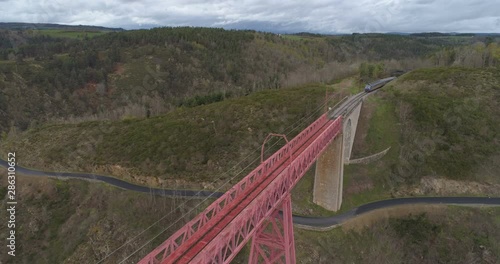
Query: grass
x=449, y=235
x=365, y=183
x=454, y=118
x=383, y=130
x=302, y=198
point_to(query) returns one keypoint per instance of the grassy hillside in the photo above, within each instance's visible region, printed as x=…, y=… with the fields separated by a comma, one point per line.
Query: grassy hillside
x=450, y=119
x=441, y=124
x=191, y=144
x=435, y=235
x=442, y=128
x=82, y=222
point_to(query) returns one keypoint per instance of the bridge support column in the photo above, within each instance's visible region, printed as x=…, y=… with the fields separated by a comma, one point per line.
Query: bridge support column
x=349, y=129
x=329, y=176
x=269, y=243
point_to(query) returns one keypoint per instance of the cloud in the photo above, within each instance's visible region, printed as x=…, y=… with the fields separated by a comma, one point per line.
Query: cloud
x=323, y=16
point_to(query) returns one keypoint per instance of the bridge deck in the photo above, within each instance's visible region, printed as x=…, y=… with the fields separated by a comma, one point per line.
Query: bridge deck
x=197, y=243
x=218, y=233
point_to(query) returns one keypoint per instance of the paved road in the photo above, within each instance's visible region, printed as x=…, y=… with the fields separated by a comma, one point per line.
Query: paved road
x=115, y=182
x=321, y=222
x=339, y=219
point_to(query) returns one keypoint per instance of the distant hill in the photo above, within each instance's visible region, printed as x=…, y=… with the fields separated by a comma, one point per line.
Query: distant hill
x=439, y=34
x=19, y=25
x=61, y=74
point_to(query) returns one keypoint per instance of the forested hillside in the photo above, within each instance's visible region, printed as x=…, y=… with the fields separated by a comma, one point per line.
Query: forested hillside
x=441, y=124
x=149, y=72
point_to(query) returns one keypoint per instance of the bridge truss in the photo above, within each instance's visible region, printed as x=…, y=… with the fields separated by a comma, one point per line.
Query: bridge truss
x=251, y=209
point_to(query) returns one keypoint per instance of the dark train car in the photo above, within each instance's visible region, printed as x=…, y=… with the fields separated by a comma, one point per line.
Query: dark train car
x=377, y=84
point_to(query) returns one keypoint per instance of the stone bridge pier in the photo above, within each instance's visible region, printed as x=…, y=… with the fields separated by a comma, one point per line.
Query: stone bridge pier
x=329, y=176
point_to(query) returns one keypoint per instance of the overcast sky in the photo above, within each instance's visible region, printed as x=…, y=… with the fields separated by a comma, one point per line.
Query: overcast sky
x=322, y=16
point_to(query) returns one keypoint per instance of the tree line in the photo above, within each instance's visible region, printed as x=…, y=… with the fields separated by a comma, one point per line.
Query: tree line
x=151, y=71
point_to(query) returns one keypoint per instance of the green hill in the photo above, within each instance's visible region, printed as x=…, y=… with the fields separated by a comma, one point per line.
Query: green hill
x=442, y=124
x=194, y=144
x=452, y=120
x=438, y=235
x=94, y=76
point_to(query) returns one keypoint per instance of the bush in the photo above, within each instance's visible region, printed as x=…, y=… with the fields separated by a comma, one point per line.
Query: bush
x=417, y=228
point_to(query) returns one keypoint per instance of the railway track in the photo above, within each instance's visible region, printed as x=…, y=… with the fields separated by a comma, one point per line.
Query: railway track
x=345, y=108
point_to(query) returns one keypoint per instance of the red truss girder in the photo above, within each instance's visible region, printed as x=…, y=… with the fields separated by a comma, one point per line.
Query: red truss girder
x=275, y=247
x=219, y=232
x=243, y=226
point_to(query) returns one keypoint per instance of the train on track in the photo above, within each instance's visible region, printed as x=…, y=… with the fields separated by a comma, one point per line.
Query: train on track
x=377, y=84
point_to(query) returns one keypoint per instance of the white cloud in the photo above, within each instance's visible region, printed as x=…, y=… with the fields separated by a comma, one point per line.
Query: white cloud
x=325, y=16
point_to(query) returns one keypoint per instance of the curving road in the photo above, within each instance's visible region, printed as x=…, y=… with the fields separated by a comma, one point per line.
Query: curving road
x=115, y=182
x=325, y=222
x=314, y=222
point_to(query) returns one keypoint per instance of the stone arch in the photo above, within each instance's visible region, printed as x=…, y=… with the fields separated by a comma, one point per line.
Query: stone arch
x=347, y=139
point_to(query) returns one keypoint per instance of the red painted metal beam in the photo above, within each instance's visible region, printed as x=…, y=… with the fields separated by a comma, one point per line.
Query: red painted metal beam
x=196, y=244
x=275, y=246
x=231, y=220
x=262, y=206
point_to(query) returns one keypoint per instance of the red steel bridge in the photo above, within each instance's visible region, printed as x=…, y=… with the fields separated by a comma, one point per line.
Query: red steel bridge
x=250, y=210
